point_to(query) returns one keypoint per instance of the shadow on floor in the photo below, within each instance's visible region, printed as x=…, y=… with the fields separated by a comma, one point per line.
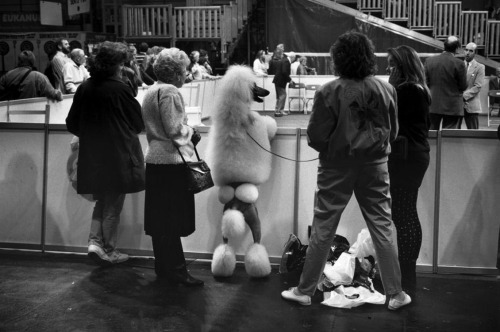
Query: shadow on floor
x=56, y=292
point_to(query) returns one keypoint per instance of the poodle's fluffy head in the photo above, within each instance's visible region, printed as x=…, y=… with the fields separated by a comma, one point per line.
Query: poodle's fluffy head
x=236, y=92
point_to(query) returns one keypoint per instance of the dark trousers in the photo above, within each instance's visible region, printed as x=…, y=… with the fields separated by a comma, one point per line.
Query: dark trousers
x=169, y=255
x=449, y=121
x=471, y=120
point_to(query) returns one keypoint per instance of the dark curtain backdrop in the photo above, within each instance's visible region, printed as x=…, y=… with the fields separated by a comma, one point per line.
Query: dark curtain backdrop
x=305, y=27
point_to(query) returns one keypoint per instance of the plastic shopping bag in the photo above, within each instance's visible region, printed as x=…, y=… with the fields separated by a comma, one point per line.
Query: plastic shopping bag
x=342, y=272
x=349, y=297
x=363, y=247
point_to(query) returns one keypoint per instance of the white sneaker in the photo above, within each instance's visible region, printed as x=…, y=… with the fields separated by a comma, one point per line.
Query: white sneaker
x=396, y=304
x=117, y=257
x=292, y=295
x=98, y=255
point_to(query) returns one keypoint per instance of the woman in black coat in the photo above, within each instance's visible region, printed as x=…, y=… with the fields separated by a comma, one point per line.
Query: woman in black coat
x=409, y=158
x=107, y=119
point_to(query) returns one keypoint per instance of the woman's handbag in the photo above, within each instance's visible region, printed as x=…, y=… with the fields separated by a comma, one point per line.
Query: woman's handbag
x=199, y=177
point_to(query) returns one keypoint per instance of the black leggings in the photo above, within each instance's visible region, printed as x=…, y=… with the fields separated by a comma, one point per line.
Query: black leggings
x=405, y=217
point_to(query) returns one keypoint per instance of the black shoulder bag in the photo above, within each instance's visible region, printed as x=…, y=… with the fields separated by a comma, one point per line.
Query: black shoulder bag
x=199, y=176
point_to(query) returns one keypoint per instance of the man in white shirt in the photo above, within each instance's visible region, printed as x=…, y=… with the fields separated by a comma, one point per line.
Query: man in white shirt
x=58, y=62
x=74, y=72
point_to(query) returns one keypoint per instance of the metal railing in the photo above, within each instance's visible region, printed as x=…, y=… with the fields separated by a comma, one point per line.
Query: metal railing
x=396, y=10
x=198, y=22
x=493, y=41
x=421, y=14
x=447, y=19
x=474, y=27
x=370, y=5
x=147, y=20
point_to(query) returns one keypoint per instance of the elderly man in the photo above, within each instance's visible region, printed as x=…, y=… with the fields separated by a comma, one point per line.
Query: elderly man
x=446, y=79
x=74, y=72
x=475, y=78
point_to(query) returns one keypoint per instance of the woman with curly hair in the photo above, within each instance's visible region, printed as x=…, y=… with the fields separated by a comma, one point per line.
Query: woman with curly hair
x=407, y=169
x=353, y=121
x=107, y=119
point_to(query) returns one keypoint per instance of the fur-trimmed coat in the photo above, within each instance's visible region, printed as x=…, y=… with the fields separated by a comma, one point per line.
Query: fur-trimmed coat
x=232, y=154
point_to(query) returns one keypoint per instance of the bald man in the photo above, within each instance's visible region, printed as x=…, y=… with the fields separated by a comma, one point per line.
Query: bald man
x=475, y=79
x=74, y=72
x=446, y=78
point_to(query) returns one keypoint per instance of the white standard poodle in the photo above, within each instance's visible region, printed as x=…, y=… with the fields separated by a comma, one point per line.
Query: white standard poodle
x=239, y=163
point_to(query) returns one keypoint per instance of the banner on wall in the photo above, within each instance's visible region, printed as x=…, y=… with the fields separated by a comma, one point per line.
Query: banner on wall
x=76, y=7
x=51, y=13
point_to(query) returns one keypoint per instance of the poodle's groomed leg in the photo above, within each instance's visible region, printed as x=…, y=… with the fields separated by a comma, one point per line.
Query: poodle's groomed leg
x=252, y=219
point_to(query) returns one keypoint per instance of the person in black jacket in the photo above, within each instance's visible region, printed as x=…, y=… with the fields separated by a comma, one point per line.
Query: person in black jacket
x=281, y=68
x=107, y=119
x=407, y=167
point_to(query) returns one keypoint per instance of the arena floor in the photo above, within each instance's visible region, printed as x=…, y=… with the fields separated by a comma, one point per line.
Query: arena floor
x=66, y=292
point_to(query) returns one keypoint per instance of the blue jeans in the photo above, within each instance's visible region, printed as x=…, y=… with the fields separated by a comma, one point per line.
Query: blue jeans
x=105, y=220
x=370, y=184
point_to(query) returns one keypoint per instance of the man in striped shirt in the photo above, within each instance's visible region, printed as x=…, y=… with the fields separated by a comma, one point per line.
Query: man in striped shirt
x=58, y=62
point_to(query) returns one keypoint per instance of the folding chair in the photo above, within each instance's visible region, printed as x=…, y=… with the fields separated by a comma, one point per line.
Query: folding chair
x=296, y=91
x=310, y=92
x=495, y=107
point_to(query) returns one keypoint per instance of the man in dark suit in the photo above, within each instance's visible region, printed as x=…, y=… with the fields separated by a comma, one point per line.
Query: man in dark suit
x=495, y=85
x=446, y=77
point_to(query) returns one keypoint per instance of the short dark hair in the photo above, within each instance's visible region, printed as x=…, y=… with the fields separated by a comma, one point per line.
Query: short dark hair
x=353, y=56
x=143, y=47
x=453, y=45
x=107, y=60
x=26, y=58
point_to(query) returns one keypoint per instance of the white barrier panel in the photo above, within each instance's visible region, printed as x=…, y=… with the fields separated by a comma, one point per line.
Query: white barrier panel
x=469, y=209
x=21, y=179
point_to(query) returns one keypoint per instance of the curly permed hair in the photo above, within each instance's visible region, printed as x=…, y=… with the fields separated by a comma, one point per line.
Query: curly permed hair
x=108, y=59
x=353, y=56
x=170, y=64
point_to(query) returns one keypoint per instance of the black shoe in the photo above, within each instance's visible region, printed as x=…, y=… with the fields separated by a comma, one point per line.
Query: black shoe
x=182, y=277
x=278, y=114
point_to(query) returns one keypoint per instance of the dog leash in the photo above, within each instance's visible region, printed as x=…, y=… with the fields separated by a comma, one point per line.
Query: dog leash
x=277, y=155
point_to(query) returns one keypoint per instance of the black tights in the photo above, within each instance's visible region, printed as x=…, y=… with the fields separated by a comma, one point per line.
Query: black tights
x=409, y=230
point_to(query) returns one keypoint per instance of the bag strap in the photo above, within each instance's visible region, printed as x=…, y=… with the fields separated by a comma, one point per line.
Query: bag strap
x=24, y=77
x=184, y=160
x=22, y=80
x=196, y=151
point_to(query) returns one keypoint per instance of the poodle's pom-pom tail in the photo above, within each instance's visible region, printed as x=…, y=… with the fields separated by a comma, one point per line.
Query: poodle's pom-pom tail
x=247, y=193
x=257, y=261
x=223, y=261
x=233, y=223
x=226, y=193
